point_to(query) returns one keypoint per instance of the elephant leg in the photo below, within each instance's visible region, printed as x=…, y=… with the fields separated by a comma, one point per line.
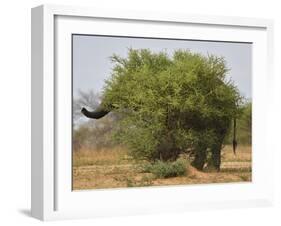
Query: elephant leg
x=170, y=154
x=215, y=161
x=200, y=158
x=167, y=150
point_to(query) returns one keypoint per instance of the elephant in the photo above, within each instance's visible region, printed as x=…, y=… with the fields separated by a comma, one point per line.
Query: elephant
x=221, y=129
x=188, y=93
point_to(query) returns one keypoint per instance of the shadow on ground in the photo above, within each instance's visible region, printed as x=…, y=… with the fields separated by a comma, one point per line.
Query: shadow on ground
x=25, y=212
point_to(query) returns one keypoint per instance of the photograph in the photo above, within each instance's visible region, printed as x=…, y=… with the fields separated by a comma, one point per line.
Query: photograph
x=149, y=111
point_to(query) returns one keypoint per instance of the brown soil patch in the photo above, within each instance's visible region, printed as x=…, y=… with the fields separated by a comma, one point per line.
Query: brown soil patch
x=114, y=169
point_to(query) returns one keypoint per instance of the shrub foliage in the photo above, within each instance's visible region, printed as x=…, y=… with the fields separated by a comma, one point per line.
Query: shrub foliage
x=169, y=104
x=167, y=169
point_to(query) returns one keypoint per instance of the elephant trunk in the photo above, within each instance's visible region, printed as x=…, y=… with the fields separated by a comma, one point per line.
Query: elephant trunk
x=97, y=114
x=234, y=143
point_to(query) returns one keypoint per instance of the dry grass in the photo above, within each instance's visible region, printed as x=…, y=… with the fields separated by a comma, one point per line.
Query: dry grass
x=104, y=156
x=112, y=168
x=243, y=154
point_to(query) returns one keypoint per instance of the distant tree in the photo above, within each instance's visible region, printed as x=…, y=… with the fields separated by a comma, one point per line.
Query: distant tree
x=88, y=133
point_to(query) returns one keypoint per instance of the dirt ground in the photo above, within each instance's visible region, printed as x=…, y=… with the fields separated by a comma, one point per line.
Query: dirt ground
x=113, y=168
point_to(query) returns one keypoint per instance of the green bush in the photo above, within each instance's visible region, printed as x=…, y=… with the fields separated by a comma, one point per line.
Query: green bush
x=167, y=169
x=169, y=103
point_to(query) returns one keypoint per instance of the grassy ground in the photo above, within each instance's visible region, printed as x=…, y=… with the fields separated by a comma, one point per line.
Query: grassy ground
x=113, y=168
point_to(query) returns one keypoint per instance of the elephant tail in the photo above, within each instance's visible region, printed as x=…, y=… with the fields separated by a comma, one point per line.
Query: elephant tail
x=234, y=142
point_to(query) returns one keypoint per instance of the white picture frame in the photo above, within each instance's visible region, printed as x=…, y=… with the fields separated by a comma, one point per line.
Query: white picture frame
x=52, y=196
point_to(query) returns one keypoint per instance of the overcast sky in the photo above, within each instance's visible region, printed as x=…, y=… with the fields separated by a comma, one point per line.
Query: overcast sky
x=91, y=58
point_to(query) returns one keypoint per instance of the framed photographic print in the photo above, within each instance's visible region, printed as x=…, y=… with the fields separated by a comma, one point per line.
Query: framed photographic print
x=137, y=112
